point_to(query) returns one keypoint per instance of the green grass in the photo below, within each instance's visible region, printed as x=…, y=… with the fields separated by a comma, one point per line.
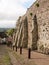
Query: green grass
x=5, y=60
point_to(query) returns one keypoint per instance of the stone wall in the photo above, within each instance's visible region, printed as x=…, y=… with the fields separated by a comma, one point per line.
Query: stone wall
x=25, y=40
x=43, y=26
x=35, y=33
x=40, y=30
x=21, y=36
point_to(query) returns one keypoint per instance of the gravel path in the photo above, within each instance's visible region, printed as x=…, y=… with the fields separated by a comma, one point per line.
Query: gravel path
x=37, y=58
x=17, y=59
x=10, y=57
x=13, y=59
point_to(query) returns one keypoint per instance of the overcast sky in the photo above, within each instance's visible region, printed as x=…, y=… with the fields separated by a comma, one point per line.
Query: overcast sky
x=10, y=10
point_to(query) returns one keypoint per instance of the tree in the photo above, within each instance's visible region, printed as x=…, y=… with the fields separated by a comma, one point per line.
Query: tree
x=10, y=32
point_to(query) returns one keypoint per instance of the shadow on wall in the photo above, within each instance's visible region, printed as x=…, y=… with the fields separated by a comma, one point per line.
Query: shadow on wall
x=35, y=34
x=25, y=39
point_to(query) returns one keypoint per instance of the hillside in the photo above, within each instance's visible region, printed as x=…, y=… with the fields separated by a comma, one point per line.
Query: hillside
x=4, y=29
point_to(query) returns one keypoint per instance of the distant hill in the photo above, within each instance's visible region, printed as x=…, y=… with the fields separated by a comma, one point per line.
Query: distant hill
x=4, y=29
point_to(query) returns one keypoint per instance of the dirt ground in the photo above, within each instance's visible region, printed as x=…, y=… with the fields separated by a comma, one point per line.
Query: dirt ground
x=36, y=58
x=10, y=57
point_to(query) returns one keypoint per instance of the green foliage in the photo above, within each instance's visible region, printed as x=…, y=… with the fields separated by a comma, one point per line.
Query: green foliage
x=37, y=4
x=10, y=32
x=6, y=60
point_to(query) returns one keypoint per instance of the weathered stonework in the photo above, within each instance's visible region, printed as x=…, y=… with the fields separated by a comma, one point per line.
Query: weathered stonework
x=35, y=22
x=21, y=37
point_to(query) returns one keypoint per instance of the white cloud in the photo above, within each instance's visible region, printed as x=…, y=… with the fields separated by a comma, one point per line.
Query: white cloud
x=10, y=10
x=7, y=23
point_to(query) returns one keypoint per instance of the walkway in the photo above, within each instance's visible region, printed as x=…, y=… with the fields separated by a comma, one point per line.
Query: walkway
x=36, y=58
x=10, y=57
